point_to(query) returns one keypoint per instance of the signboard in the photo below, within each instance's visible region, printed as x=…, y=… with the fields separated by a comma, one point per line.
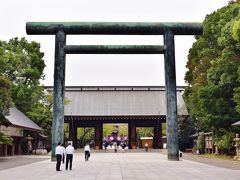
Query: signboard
x=11, y=131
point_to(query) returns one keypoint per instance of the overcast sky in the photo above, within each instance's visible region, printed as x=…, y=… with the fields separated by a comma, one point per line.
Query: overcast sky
x=107, y=69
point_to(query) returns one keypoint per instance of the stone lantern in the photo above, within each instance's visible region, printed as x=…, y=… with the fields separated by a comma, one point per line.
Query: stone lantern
x=29, y=144
x=237, y=145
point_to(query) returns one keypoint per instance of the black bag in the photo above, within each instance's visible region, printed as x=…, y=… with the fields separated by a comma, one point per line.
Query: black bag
x=89, y=155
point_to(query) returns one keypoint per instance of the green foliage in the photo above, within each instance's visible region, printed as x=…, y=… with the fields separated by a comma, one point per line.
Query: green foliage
x=41, y=113
x=186, y=127
x=216, y=156
x=21, y=62
x=225, y=141
x=85, y=135
x=145, y=132
x=201, y=143
x=236, y=30
x=5, y=98
x=4, y=139
x=212, y=96
x=164, y=129
x=236, y=96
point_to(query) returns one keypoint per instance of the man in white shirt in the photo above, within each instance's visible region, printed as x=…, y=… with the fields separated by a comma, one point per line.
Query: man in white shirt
x=69, y=155
x=58, y=153
x=87, y=152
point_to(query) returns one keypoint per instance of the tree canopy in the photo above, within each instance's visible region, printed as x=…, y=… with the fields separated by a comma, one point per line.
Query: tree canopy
x=21, y=73
x=5, y=98
x=213, y=76
x=4, y=139
x=22, y=63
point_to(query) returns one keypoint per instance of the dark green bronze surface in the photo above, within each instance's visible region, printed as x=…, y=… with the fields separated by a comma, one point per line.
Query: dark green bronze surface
x=58, y=93
x=116, y=28
x=114, y=49
x=170, y=84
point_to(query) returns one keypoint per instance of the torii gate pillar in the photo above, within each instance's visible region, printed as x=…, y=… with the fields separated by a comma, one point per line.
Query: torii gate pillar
x=170, y=84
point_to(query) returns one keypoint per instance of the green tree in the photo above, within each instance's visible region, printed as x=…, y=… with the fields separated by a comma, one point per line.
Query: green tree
x=145, y=132
x=22, y=63
x=85, y=135
x=225, y=141
x=213, y=72
x=4, y=139
x=186, y=127
x=237, y=93
x=42, y=112
x=5, y=98
x=5, y=103
x=201, y=143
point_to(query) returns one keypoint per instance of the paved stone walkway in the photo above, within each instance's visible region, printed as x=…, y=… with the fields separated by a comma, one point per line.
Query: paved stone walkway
x=224, y=163
x=15, y=161
x=121, y=166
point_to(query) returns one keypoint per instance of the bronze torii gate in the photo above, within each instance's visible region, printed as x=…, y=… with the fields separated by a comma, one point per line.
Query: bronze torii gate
x=168, y=30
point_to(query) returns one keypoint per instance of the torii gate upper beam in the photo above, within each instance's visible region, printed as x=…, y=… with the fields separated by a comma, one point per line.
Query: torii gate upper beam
x=114, y=28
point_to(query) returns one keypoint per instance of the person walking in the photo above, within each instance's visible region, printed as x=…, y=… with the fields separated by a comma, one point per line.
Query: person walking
x=146, y=146
x=87, y=152
x=58, y=153
x=69, y=155
x=115, y=147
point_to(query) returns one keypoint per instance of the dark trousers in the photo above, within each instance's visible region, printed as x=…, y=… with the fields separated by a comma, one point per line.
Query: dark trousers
x=63, y=158
x=87, y=155
x=59, y=158
x=69, y=158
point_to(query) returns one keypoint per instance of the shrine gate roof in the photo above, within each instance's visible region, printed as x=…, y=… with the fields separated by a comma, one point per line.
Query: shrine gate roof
x=119, y=101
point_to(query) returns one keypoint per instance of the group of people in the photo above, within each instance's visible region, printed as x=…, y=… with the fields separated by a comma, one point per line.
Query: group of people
x=61, y=152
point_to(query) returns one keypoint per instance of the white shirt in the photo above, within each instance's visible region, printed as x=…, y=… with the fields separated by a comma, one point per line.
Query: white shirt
x=87, y=148
x=58, y=150
x=69, y=149
x=63, y=150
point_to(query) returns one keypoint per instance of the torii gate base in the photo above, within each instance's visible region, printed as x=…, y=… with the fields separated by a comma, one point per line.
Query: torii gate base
x=61, y=29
